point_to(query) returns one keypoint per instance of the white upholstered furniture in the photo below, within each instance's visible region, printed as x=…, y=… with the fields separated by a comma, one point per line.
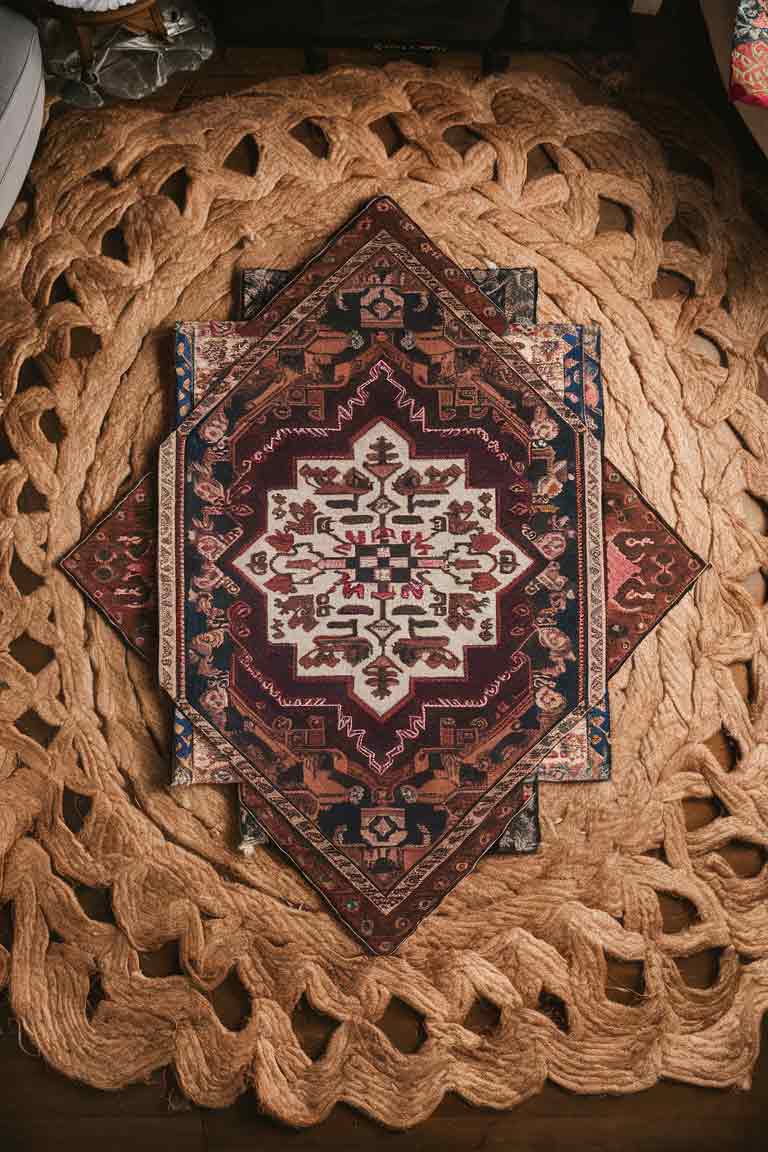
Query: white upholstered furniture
x=22, y=89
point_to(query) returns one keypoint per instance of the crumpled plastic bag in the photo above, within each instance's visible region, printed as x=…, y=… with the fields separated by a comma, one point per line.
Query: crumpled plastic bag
x=126, y=65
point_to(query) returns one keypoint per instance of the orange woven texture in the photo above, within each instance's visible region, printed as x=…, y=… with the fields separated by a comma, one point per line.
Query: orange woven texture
x=138, y=220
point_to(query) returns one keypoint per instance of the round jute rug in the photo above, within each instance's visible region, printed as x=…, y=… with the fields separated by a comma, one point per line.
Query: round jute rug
x=140, y=217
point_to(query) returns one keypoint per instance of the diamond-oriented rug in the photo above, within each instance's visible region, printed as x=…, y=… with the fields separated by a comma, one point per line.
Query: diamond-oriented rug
x=89, y=384
x=389, y=642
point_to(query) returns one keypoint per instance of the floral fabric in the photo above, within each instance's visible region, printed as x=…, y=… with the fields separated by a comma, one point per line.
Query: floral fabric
x=749, y=56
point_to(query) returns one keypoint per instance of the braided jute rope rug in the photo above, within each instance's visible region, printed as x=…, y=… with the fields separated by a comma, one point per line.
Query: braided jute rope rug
x=84, y=803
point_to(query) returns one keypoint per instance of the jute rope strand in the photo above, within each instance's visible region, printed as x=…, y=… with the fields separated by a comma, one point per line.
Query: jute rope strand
x=86, y=377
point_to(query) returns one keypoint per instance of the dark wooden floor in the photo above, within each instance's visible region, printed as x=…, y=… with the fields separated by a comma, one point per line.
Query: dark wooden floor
x=41, y=1110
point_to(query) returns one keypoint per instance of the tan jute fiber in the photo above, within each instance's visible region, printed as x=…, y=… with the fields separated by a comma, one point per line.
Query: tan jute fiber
x=81, y=715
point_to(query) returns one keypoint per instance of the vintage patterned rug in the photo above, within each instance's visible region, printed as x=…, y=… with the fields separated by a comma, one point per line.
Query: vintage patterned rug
x=377, y=577
x=139, y=220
